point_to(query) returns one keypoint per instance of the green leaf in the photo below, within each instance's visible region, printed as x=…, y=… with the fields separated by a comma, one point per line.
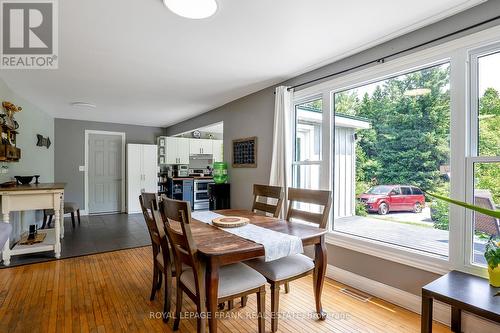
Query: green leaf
x=489, y=212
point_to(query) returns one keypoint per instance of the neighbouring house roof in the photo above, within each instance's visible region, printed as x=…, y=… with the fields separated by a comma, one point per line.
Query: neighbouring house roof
x=341, y=119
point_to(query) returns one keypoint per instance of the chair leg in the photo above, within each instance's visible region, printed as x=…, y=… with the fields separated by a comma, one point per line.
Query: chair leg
x=168, y=293
x=244, y=300
x=287, y=287
x=230, y=304
x=78, y=216
x=73, y=219
x=178, y=307
x=200, y=321
x=261, y=309
x=275, y=301
x=155, y=279
x=44, y=220
x=160, y=279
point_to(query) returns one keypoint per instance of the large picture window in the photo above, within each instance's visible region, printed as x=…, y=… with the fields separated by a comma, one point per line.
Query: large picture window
x=391, y=143
x=383, y=137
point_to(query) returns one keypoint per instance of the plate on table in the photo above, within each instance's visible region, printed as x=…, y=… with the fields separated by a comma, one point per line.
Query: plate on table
x=230, y=221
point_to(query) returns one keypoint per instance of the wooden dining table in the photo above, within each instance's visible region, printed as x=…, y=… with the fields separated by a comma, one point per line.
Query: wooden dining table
x=217, y=248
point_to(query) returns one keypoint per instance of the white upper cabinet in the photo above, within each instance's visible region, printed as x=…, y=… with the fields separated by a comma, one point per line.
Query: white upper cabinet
x=183, y=150
x=200, y=146
x=176, y=150
x=217, y=150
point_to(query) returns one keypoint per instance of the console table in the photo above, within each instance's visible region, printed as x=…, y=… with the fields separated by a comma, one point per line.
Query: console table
x=34, y=197
x=463, y=292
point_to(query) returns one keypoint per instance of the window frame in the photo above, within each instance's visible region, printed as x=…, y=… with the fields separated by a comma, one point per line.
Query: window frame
x=473, y=155
x=295, y=162
x=457, y=53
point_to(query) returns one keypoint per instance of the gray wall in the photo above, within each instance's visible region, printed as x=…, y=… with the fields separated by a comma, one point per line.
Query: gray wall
x=253, y=116
x=34, y=160
x=249, y=116
x=70, y=150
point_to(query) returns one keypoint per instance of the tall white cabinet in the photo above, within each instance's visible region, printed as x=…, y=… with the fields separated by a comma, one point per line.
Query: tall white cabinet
x=142, y=173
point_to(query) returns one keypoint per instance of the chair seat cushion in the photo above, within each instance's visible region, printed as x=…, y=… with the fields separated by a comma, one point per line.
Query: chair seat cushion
x=283, y=268
x=233, y=279
x=5, y=229
x=69, y=207
x=159, y=259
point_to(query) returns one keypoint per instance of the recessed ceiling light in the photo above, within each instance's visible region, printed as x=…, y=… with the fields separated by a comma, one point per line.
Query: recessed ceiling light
x=83, y=105
x=193, y=9
x=417, y=92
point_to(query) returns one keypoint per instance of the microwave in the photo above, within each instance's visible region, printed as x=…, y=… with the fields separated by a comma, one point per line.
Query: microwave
x=180, y=170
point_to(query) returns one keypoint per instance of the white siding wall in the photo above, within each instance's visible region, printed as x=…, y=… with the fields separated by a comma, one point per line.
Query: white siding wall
x=345, y=176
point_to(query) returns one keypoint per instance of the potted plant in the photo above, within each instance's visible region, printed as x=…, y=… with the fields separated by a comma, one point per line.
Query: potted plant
x=492, y=255
x=492, y=251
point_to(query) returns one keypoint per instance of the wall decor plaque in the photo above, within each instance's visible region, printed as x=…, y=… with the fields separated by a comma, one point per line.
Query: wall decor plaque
x=245, y=153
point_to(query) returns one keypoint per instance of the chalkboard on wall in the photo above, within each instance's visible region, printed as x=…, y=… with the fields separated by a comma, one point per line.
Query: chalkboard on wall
x=245, y=153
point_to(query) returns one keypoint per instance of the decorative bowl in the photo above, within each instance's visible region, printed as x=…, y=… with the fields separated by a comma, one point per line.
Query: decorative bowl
x=25, y=179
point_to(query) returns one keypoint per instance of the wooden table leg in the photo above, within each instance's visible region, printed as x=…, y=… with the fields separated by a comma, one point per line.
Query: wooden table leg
x=456, y=320
x=61, y=217
x=212, y=286
x=426, y=320
x=320, y=262
x=57, y=224
x=6, y=247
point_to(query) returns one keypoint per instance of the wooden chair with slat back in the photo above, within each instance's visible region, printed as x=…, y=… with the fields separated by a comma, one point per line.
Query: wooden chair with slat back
x=322, y=199
x=236, y=280
x=267, y=192
x=162, y=261
x=293, y=267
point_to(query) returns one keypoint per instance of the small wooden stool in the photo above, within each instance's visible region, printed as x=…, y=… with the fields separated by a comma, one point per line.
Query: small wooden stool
x=69, y=207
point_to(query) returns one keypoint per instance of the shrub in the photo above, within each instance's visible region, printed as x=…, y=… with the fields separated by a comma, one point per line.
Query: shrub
x=360, y=209
x=440, y=214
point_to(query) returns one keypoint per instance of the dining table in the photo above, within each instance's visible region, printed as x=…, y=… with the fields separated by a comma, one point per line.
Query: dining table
x=217, y=248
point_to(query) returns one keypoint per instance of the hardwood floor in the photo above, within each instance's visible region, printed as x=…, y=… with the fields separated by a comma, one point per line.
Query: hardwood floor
x=109, y=292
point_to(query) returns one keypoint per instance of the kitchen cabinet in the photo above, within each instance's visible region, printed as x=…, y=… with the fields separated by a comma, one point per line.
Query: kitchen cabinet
x=142, y=173
x=217, y=150
x=200, y=146
x=176, y=150
x=180, y=189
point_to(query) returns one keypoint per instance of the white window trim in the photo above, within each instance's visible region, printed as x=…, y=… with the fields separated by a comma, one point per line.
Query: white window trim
x=457, y=53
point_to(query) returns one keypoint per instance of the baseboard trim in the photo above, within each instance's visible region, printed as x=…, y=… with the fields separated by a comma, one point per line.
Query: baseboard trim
x=409, y=301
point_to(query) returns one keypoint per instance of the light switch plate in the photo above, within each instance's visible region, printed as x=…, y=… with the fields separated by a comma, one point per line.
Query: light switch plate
x=81, y=168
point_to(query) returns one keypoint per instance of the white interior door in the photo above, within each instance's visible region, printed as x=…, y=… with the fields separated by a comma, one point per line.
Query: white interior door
x=104, y=173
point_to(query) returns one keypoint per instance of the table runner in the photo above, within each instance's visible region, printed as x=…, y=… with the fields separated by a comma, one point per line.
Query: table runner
x=276, y=244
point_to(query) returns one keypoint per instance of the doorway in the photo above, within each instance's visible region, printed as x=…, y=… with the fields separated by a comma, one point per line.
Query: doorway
x=104, y=172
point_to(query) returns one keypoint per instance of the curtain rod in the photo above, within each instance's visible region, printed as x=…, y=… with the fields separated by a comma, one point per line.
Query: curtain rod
x=383, y=59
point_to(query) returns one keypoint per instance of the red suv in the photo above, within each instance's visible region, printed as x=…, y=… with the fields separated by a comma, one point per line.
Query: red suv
x=386, y=198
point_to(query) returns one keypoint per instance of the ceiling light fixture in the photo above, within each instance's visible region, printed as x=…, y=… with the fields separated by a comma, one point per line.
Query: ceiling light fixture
x=193, y=9
x=417, y=92
x=83, y=105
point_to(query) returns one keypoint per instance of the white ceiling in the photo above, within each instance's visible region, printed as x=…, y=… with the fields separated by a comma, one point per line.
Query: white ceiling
x=141, y=64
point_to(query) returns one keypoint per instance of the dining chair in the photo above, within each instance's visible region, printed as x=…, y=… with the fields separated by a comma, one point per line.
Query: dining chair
x=267, y=192
x=235, y=280
x=162, y=255
x=287, y=269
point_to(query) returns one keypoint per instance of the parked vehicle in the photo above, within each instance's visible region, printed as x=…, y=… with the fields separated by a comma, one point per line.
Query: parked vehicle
x=391, y=198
